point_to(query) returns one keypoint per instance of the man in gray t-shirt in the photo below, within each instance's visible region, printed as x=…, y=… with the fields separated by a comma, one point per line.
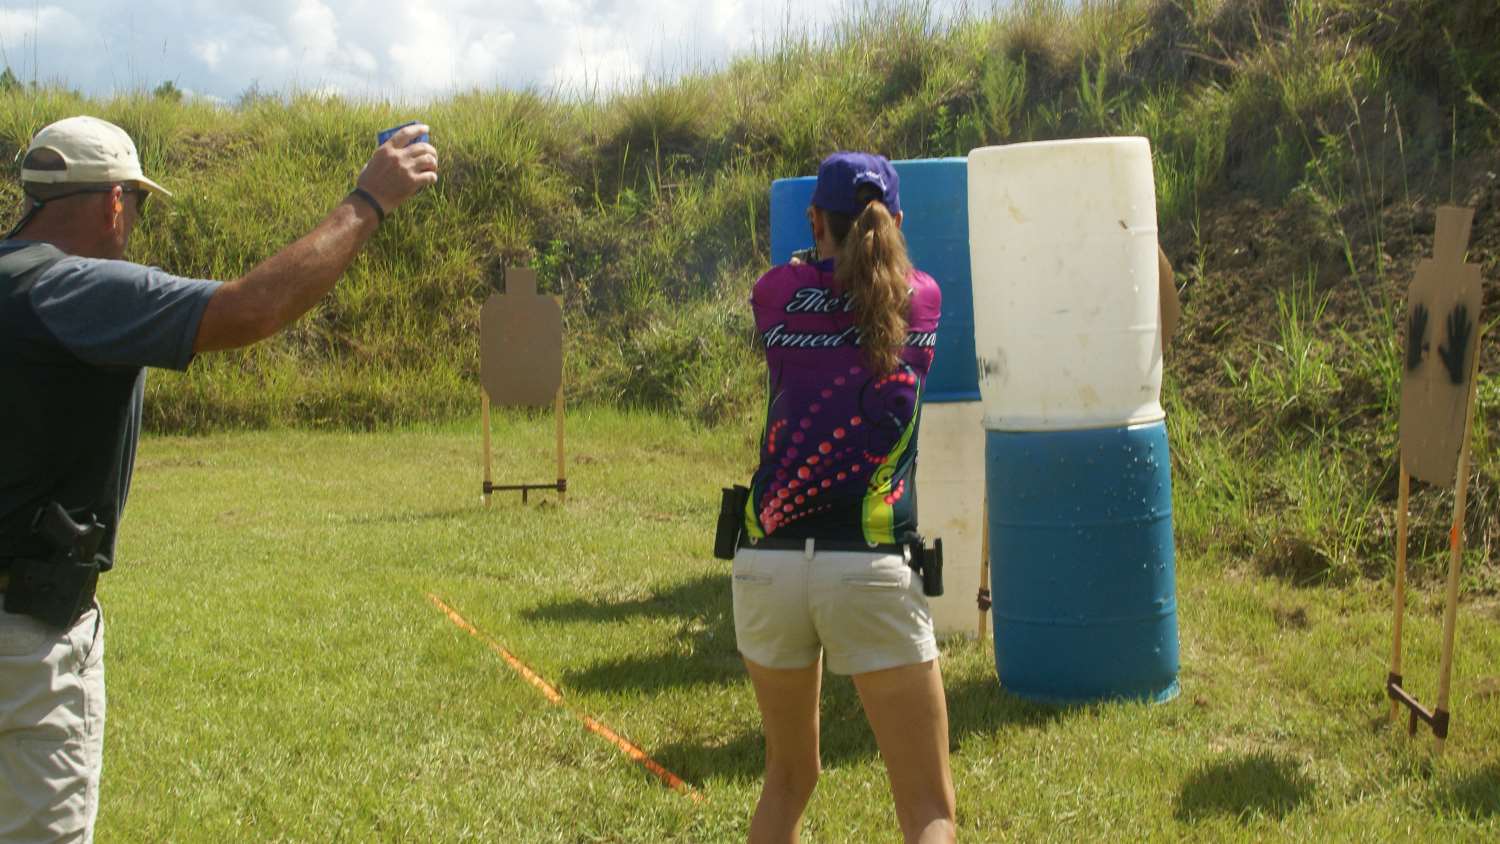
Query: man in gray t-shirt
x=78, y=327
x=108, y=315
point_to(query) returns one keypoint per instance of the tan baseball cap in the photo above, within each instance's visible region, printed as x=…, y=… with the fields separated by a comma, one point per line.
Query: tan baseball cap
x=86, y=151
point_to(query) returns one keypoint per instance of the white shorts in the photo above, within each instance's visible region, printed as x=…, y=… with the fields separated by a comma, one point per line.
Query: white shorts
x=865, y=610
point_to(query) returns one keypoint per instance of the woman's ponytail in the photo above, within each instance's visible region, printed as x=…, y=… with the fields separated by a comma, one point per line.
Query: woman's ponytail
x=872, y=270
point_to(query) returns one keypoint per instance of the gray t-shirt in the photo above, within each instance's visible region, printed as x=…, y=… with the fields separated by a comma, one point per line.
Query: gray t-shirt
x=116, y=314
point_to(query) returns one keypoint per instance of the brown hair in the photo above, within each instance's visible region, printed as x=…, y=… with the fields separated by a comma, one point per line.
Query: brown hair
x=872, y=271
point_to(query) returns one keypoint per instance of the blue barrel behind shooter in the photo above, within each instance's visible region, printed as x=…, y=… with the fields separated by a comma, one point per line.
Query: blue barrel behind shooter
x=1085, y=601
x=935, y=201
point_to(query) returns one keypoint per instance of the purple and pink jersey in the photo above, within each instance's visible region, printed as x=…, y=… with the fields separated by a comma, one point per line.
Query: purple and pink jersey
x=840, y=442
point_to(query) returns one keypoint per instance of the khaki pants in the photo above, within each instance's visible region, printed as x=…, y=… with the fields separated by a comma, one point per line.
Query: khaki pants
x=51, y=729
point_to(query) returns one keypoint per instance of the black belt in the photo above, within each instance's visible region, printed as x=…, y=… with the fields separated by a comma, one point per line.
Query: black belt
x=779, y=543
x=926, y=562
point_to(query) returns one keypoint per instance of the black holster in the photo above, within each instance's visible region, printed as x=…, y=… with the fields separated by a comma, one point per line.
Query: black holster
x=58, y=589
x=927, y=562
x=731, y=521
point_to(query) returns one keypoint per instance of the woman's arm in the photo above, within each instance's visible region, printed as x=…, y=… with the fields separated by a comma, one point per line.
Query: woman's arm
x=1171, y=308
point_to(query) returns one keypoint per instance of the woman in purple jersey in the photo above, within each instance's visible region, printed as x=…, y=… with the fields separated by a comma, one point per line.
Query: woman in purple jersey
x=823, y=574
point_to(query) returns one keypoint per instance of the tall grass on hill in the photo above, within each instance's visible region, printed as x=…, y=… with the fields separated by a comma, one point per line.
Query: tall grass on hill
x=647, y=207
x=1341, y=120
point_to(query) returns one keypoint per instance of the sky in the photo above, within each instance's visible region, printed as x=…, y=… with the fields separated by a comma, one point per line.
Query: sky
x=409, y=50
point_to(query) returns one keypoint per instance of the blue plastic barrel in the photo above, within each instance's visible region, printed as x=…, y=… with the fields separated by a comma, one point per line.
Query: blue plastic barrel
x=935, y=201
x=1081, y=572
x=790, y=230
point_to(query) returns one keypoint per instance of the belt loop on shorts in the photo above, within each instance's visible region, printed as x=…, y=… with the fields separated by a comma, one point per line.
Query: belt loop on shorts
x=807, y=548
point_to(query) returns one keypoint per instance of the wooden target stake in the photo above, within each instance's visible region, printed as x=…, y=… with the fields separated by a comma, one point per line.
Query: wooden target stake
x=562, y=467
x=1455, y=561
x=1438, y=395
x=1402, y=519
x=985, y=598
x=485, y=413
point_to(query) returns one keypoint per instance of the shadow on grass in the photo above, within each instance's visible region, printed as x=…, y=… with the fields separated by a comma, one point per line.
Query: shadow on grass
x=1476, y=796
x=402, y=517
x=1259, y=785
x=975, y=708
x=707, y=653
x=708, y=656
x=706, y=596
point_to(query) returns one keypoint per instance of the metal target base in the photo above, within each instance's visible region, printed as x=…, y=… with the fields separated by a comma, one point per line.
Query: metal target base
x=560, y=487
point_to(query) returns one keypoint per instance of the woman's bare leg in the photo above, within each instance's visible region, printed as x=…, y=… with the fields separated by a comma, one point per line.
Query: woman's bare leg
x=909, y=714
x=788, y=702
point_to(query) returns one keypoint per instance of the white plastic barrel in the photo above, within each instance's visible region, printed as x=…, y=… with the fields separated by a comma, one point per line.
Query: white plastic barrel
x=950, y=505
x=1062, y=239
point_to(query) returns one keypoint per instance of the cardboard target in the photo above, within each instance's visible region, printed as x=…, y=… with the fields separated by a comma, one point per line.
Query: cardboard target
x=520, y=337
x=1440, y=354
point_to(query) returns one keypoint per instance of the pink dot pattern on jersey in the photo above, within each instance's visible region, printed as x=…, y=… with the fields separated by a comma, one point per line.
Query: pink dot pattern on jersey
x=833, y=425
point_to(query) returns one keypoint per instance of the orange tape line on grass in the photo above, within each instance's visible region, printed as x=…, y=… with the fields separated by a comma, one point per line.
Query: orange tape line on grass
x=668, y=778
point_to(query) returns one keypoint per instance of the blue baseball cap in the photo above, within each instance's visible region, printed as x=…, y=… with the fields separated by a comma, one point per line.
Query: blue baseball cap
x=842, y=174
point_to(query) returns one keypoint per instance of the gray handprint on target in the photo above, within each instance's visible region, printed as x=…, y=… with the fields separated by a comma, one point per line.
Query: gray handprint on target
x=1455, y=351
x=1416, y=338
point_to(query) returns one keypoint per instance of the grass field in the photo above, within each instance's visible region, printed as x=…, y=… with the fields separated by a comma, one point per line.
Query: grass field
x=278, y=673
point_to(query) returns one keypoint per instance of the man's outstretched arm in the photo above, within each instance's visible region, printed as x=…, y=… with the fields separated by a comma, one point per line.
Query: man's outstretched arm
x=285, y=286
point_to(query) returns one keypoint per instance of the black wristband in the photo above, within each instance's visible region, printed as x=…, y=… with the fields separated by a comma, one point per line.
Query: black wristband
x=371, y=201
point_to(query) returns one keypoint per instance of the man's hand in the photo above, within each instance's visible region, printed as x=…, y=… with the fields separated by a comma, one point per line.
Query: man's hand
x=400, y=169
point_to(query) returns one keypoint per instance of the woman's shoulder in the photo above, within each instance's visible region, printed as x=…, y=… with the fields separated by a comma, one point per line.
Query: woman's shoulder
x=920, y=279
x=785, y=279
x=924, y=289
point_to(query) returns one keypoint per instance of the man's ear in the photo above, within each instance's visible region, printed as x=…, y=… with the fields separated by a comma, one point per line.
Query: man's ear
x=115, y=202
x=101, y=209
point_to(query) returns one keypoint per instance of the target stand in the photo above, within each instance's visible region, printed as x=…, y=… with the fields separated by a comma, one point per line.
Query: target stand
x=560, y=486
x=521, y=366
x=1437, y=414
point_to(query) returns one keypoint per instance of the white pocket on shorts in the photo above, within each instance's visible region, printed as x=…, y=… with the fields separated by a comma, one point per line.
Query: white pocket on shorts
x=890, y=575
x=866, y=582
x=745, y=574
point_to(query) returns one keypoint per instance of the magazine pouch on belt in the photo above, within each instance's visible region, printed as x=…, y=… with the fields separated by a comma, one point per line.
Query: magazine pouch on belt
x=928, y=562
x=731, y=521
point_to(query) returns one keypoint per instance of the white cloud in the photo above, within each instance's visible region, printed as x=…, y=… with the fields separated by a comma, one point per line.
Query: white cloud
x=391, y=48
x=314, y=28
x=596, y=62
x=211, y=52
x=19, y=24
